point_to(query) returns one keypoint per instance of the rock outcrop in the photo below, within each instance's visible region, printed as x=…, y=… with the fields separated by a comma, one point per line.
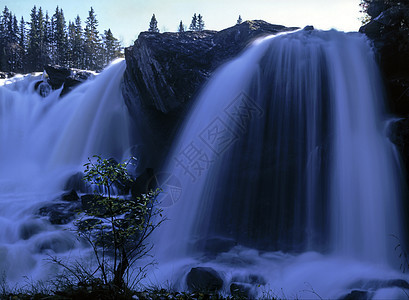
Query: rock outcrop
x=389, y=32
x=165, y=71
x=59, y=76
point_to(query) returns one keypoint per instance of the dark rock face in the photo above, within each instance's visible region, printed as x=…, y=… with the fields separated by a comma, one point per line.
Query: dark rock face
x=70, y=196
x=204, y=279
x=165, y=71
x=389, y=34
x=59, y=76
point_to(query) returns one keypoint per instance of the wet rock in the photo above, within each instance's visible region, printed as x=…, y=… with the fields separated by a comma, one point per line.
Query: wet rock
x=166, y=71
x=356, y=295
x=308, y=28
x=43, y=88
x=75, y=182
x=204, y=279
x=60, y=213
x=70, y=196
x=59, y=76
x=388, y=32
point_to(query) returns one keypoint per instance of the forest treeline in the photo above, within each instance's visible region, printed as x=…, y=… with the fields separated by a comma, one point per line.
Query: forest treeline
x=44, y=39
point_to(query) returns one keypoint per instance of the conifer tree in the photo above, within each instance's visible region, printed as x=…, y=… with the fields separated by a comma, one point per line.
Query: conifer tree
x=200, y=23
x=77, y=45
x=33, y=47
x=92, y=43
x=60, y=39
x=181, y=27
x=22, y=46
x=193, y=24
x=112, y=48
x=239, y=20
x=153, y=25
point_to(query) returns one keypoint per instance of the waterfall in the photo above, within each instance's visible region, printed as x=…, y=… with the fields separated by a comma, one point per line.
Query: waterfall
x=44, y=141
x=285, y=153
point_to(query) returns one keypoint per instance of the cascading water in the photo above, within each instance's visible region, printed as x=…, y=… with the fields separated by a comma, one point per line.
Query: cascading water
x=286, y=150
x=43, y=141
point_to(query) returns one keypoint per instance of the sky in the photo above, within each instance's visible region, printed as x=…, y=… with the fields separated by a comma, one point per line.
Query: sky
x=127, y=18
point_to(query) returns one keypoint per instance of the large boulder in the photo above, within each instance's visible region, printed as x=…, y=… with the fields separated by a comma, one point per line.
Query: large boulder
x=204, y=279
x=165, y=71
x=65, y=77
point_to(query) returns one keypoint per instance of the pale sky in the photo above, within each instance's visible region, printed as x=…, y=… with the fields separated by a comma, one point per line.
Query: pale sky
x=127, y=18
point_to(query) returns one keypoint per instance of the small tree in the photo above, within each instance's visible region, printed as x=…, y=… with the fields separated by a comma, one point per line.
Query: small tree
x=153, y=25
x=116, y=227
x=193, y=24
x=181, y=27
x=239, y=20
x=200, y=23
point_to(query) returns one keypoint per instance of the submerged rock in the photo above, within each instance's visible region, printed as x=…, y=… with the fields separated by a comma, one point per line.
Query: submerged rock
x=204, y=279
x=356, y=295
x=70, y=196
x=60, y=213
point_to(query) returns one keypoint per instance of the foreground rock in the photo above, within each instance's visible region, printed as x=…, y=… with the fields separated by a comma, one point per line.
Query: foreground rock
x=204, y=279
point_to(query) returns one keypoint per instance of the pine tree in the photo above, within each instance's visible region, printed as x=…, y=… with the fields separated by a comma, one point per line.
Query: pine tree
x=112, y=47
x=93, y=59
x=33, y=47
x=181, y=27
x=60, y=39
x=77, y=45
x=193, y=24
x=47, y=37
x=42, y=35
x=22, y=46
x=4, y=38
x=239, y=20
x=153, y=25
x=200, y=23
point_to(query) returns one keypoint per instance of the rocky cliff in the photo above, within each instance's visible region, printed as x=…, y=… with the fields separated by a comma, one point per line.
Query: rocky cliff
x=165, y=71
x=389, y=30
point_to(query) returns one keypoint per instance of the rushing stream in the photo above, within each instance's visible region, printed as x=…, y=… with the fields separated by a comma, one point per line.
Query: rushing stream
x=283, y=178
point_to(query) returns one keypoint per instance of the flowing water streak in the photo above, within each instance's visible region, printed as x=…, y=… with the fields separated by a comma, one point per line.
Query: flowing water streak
x=42, y=142
x=293, y=156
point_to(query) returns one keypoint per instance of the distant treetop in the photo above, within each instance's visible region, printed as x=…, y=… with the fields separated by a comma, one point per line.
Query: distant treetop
x=29, y=46
x=153, y=25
